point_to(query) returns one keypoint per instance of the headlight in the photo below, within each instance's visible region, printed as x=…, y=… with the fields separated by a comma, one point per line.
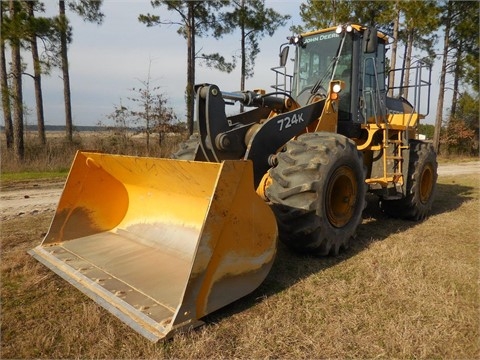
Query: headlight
x=336, y=88
x=296, y=40
x=342, y=28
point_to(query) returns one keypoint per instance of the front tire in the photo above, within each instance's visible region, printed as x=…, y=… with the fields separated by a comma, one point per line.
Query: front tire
x=318, y=192
x=421, y=184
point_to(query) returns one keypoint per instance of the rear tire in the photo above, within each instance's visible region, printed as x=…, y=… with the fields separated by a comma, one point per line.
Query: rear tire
x=421, y=184
x=318, y=192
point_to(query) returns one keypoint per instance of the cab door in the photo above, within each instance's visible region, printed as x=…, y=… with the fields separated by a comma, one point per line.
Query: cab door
x=373, y=89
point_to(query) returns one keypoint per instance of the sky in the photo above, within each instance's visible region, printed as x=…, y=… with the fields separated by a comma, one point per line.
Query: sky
x=106, y=61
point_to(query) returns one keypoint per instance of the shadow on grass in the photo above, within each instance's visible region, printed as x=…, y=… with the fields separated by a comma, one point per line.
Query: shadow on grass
x=290, y=267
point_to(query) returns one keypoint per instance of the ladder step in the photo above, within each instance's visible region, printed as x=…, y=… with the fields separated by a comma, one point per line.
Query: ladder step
x=395, y=158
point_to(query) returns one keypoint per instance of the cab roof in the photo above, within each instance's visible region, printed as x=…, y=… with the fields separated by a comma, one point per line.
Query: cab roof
x=357, y=27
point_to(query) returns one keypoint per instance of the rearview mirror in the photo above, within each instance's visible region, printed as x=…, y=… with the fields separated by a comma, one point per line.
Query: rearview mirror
x=284, y=56
x=370, y=40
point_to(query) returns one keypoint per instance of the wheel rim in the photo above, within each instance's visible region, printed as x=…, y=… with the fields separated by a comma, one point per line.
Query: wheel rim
x=426, y=183
x=341, y=196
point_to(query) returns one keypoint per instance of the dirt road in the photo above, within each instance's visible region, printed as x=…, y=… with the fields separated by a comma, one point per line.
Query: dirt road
x=470, y=167
x=31, y=198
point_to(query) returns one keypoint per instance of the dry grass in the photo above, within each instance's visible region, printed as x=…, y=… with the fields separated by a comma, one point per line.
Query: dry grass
x=57, y=155
x=452, y=158
x=403, y=290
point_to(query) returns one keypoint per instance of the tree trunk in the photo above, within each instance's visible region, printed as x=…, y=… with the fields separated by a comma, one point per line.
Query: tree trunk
x=408, y=63
x=66, y=75
x=190, y=66
x=393, y=62
x=334, y=11
x=147, y=131
x=456, y=78
x=402, y=72
x=18, y=145
x=243, y=51
x=242, y=76
x=443, y=73
x=7, y=112
x=37, y=79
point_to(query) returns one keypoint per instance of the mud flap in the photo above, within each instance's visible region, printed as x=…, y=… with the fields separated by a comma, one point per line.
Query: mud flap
x=160, y=243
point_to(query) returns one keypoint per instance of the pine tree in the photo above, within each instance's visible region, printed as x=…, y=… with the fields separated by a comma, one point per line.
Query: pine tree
x=419, y=22
x=5, y=90
x=459, y=56
x=44, y=28
x=18, y=18
x=254, y=21
x=197, y=18
x=90, y=11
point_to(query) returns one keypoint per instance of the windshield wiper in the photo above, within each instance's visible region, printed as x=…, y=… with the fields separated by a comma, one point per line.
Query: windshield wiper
x=333, y=64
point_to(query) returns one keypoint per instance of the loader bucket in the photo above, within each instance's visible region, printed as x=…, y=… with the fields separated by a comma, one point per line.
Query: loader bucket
x=160, y=243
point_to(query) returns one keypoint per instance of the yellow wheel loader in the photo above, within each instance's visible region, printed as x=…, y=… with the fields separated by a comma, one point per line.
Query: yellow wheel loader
x=161, y=243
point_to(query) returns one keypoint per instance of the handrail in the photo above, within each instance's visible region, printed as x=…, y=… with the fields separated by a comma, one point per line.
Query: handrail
x=286, y=84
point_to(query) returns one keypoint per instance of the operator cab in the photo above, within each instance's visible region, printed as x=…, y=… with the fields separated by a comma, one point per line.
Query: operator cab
x=351, y=53
x=317, y=63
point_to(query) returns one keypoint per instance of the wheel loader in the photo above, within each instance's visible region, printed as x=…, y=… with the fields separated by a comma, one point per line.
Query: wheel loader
x=161, y=243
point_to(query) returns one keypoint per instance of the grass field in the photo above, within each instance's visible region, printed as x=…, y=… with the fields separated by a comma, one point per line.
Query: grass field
x=402, y=290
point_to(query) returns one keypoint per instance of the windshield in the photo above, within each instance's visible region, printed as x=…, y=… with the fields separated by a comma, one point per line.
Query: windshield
x=316, y=62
